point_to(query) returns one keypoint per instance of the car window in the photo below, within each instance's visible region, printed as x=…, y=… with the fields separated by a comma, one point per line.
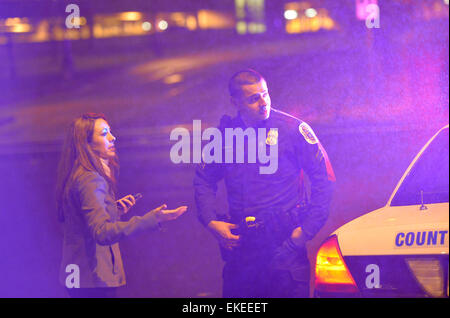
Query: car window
x=428, y=180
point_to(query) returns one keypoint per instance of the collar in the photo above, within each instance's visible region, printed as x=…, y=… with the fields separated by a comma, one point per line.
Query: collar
x=242, y=123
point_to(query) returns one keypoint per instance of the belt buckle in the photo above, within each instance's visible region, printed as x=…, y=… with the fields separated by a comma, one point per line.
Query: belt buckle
x=250, y=222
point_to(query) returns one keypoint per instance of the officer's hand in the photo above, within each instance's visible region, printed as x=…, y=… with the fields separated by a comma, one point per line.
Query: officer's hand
x=222, y=231
x=297, y=237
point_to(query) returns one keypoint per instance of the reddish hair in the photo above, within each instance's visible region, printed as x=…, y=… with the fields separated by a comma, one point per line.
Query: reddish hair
x=77, y=153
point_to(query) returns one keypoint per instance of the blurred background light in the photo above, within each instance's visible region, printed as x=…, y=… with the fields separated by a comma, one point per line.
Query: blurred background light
x=172, y=79
x=209, y=19
x=130, y=16
x=191, y=22
x=250, y=16
x=311, y=12
x=241, y=27
x=311, y=19
x=290, y=14
x=12, y=21
x=163, y=25
x=21, y=28
x=362, y=8
x=82, y=21
x=146, y=26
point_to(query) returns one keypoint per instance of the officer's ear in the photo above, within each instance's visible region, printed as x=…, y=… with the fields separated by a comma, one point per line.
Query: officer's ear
x=235, y=101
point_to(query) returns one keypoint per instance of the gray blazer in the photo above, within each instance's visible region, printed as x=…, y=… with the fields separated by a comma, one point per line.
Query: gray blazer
x=92, y=230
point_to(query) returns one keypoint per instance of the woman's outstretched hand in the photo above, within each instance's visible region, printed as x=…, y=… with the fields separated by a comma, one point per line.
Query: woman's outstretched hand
x=163, y=215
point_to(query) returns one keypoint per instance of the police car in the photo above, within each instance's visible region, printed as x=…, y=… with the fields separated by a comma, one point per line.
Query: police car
x=400, y=250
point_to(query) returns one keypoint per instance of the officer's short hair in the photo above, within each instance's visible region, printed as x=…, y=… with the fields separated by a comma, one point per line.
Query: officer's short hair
x=244, y=77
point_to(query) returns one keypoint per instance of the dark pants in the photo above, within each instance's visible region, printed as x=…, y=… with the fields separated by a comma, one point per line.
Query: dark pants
x=281, y=273
x=101, y=292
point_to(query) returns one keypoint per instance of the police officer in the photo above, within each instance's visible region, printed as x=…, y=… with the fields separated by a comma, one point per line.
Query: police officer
x=270, y=218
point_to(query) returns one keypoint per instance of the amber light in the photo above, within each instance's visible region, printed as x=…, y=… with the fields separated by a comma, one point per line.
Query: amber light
x=332, y=275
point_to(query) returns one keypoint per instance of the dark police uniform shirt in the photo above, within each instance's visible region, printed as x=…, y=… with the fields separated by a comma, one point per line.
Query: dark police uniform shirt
x=251, y=193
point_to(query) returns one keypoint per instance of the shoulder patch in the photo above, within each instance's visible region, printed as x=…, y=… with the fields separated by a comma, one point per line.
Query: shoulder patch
x=307, y=133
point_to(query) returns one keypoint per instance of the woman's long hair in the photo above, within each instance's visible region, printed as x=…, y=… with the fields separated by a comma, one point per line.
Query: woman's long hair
x=77, y=153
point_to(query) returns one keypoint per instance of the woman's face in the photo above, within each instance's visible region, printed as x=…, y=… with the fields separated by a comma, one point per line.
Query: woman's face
x=102, y=142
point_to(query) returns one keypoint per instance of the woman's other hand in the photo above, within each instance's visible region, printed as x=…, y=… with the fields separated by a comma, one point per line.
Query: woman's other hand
x=125, y=203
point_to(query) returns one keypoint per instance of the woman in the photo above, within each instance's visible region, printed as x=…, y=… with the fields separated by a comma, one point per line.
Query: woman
x=86, y=187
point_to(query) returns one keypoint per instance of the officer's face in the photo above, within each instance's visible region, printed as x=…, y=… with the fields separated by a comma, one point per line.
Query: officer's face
x=253, y=102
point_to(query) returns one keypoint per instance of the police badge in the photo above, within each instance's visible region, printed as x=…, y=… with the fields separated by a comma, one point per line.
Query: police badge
x=272, y=137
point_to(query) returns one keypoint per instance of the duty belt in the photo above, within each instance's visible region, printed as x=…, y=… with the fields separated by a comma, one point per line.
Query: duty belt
x=274, y=225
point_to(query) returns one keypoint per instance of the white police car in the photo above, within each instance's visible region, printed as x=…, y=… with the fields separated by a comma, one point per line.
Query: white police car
x=400, y=250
